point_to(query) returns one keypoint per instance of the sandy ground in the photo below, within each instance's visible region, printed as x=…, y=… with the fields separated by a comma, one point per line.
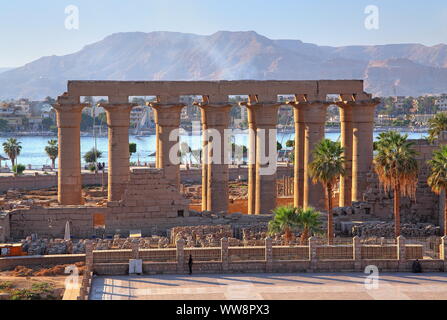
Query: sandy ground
x=58, y=282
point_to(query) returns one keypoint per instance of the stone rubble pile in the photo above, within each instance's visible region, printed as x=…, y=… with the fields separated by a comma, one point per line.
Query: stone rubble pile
x=126, y=243
x=33, y=246
x=201, y=236
x=386, y=230
x=357, y=208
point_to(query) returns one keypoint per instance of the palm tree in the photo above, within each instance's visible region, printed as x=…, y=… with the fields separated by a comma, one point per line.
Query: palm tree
x=326, y=168
x=12, y=148
x=438, y=178
x=285, y=220
x=397, y=169
x=437, y=124
x=52, y=150
x=92, y=156
x=309, y=221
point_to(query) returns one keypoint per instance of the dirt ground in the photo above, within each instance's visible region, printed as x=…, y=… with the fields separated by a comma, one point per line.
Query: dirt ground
x=37, y=283
x=31, y=288
x=240, y=205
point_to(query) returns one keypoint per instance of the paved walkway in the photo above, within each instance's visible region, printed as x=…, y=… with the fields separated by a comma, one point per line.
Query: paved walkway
x=341, y=286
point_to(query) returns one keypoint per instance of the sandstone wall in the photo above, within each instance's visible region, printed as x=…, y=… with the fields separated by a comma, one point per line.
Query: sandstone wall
x=425, y=208
x=4, y=227
x=193, y=176
x=9, y=263
x=50, y=222
x=28, y=182
x=150, y=204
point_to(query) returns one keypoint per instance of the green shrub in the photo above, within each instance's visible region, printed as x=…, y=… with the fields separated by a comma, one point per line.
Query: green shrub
x=18, y=168
x=6, y=285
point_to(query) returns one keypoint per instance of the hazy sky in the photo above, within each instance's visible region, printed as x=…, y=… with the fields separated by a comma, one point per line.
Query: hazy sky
x=30, y=29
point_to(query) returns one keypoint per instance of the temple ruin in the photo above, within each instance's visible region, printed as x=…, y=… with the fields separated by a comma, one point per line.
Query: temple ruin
x=149, y=198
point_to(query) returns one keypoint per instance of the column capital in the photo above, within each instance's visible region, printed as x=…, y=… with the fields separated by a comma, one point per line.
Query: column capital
x=118, y=114
x=263, y=114
x=168, y=107
x=69, y=115
x=215, y=114
x=167, y=114
x=111, y=107
x=363, y=111
x=69, y=107
x=314, y=111
x=372, y=103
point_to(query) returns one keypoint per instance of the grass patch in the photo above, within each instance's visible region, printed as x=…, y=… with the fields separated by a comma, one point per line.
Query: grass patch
x=38, y=291
x=6, y=285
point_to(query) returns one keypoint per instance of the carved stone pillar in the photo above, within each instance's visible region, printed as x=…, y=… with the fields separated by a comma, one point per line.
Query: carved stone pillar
x=204, y=161
x=363, y=138
x=345, y=197
x=69, y=155
x=118, y=121
x=298, y=163
x=251, y=201
x=167, y=119
x=315, y=120
x=216, y=118
x=265, y=116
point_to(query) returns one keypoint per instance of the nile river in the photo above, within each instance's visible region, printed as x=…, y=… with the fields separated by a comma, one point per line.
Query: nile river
x=33, y=146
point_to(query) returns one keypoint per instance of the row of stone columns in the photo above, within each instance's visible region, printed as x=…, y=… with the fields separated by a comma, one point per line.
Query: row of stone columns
x=215, y=174
x=357, y=127
x=357, y=120
x=262, y=119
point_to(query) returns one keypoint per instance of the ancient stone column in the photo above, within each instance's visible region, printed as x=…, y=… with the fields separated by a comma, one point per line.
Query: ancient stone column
x=216, y=118
x=298, y=164
x=118, y=121
x=315, y=119
x=69, y=155
x=345, y=196
x=251, y=201
x=266, y=119
x=362, y=153
x=204, y=161
x=167, y=119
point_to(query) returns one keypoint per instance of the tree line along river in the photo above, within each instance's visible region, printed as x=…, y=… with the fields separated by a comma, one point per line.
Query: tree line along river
x=33, y=152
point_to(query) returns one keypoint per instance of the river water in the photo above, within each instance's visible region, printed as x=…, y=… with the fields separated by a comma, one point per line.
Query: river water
x=33, y=152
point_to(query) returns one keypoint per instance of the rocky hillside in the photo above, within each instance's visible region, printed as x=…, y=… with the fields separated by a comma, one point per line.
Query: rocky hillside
x=402, y=69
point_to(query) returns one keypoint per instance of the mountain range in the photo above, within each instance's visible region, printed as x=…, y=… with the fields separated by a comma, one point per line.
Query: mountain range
x=394, y=69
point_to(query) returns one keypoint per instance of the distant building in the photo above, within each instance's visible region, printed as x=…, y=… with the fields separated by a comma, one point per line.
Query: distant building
x=399, y=101
x=441, y=102
x=139, y=116
x=421, y=119
x=17, y=114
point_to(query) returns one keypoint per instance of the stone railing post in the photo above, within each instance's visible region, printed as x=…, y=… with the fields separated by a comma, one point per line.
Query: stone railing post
x=443, y=253
x=89, y=256
x=268, y=255
x=136, y=250
x=180, y=256
x=313, y=259
x=401, y=253
x=357, y=253
x=224, y=254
